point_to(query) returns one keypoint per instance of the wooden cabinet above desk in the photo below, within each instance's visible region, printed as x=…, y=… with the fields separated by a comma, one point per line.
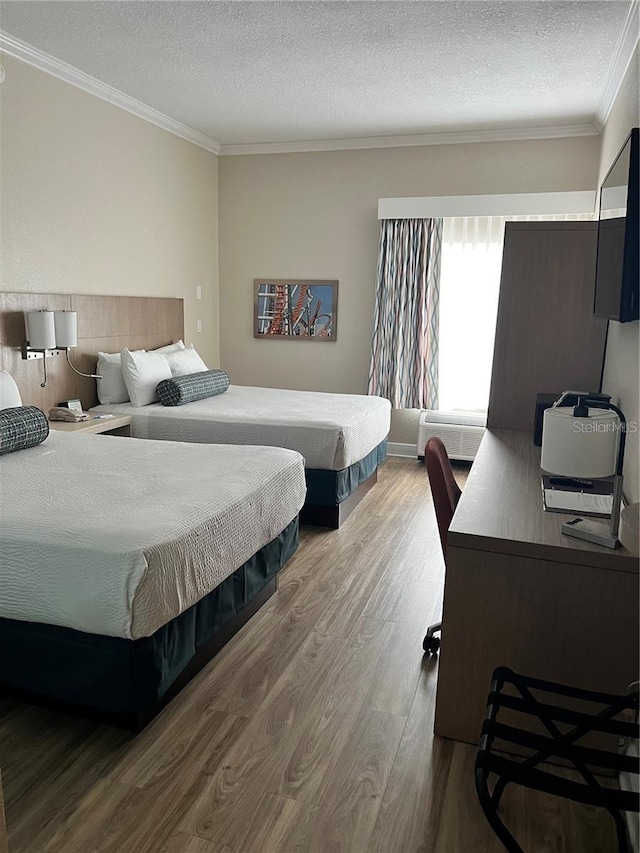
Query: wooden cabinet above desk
x=547, y=339
x=518, y=593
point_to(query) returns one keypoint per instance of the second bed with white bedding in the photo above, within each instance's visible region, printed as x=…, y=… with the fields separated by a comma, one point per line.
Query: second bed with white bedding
x=331, y=431
x=116, y=537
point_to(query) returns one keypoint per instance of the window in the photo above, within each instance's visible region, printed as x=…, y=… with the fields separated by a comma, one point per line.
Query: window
x=469, y=287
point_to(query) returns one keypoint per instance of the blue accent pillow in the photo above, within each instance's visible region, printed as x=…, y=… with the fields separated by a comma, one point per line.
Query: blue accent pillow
x=195, y=386
x=22, y=427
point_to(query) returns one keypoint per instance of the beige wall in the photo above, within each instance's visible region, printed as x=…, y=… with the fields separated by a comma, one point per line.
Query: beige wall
x=314, y=215
x=622, y=370
x=95, y=200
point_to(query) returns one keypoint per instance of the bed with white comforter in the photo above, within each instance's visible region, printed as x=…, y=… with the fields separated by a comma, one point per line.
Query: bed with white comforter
x=117, y=537
x=111, y=540
x=342, y=437
x=331, y=431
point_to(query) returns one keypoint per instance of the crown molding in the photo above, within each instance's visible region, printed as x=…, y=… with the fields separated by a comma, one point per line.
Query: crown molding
x=24, y=52
x=622, y=56
x=37, y=58
x=508, y=134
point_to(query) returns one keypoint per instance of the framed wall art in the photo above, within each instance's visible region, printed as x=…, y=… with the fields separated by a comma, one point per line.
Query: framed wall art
x=303, y=309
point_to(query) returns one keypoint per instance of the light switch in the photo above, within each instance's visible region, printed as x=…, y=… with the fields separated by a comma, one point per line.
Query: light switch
x=198, y=292
x=198, y=325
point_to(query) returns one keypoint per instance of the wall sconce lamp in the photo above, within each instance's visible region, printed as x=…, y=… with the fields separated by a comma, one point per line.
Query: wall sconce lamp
x=587, y=441
x=49, y=333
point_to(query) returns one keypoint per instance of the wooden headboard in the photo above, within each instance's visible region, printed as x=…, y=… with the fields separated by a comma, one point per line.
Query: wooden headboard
x=105, y=324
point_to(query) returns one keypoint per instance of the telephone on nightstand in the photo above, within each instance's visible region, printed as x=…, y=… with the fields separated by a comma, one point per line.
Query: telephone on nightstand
x=60, y=413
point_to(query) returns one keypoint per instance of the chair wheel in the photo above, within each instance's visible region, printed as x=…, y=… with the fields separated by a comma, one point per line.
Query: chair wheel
x=431, y=645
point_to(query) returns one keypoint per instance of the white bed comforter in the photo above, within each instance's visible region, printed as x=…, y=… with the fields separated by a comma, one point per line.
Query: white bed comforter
x=331, y=431
x=116, y=536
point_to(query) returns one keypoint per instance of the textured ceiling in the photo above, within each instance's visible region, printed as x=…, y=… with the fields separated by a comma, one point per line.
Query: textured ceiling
x=255, y=72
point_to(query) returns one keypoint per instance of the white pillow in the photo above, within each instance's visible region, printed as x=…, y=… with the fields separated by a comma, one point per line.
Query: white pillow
x=177, y=347
x=185, y=362
x=142, y=371
x=111, y=387
x=9, y=393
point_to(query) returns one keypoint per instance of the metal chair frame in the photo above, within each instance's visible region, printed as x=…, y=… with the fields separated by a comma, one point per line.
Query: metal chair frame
x=523, y=770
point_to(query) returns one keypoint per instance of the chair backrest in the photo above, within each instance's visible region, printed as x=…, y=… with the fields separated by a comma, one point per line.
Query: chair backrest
x=446, y=492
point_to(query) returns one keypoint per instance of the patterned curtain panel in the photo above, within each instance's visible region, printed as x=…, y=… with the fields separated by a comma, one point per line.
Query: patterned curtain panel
x=404, y=352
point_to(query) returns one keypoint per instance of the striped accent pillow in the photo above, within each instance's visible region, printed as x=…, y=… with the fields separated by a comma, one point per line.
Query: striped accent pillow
x=195, y=386
x=21, y=427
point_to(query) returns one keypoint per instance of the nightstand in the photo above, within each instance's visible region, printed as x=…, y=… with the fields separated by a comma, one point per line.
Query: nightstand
x=117, y=425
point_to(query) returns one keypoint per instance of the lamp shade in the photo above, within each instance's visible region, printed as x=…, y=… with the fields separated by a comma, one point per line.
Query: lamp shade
x=41, y=329
x=580, y=447
x=66, y=323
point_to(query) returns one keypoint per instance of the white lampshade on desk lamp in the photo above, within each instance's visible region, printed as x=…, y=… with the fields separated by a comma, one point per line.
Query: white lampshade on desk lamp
x=587, y=441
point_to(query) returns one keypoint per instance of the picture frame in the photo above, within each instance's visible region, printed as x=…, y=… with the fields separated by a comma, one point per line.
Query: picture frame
x=298, y=309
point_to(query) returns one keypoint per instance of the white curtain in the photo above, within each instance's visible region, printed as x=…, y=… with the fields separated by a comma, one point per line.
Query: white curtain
x=471, y=232
x=469, y=287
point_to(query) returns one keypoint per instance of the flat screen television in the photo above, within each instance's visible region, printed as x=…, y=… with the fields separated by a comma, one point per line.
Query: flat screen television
x=617, y=270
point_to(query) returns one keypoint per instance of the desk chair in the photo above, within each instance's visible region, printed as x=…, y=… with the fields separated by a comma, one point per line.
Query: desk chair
x=446, y=494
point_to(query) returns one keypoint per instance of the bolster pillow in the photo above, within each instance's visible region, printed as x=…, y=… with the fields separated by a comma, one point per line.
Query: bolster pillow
x=194, y=386
x=21, y=427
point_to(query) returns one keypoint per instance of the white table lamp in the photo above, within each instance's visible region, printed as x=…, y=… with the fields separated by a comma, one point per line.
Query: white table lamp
x=587, y=441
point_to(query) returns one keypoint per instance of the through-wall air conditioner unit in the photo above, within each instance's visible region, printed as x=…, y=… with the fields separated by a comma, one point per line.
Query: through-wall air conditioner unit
x=461, y=434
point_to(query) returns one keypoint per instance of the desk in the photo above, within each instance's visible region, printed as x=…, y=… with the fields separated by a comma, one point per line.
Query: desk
x=518, y=593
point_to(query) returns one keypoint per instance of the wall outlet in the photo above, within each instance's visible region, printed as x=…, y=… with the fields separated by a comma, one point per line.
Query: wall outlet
x=198, y=325
x=198, y=292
